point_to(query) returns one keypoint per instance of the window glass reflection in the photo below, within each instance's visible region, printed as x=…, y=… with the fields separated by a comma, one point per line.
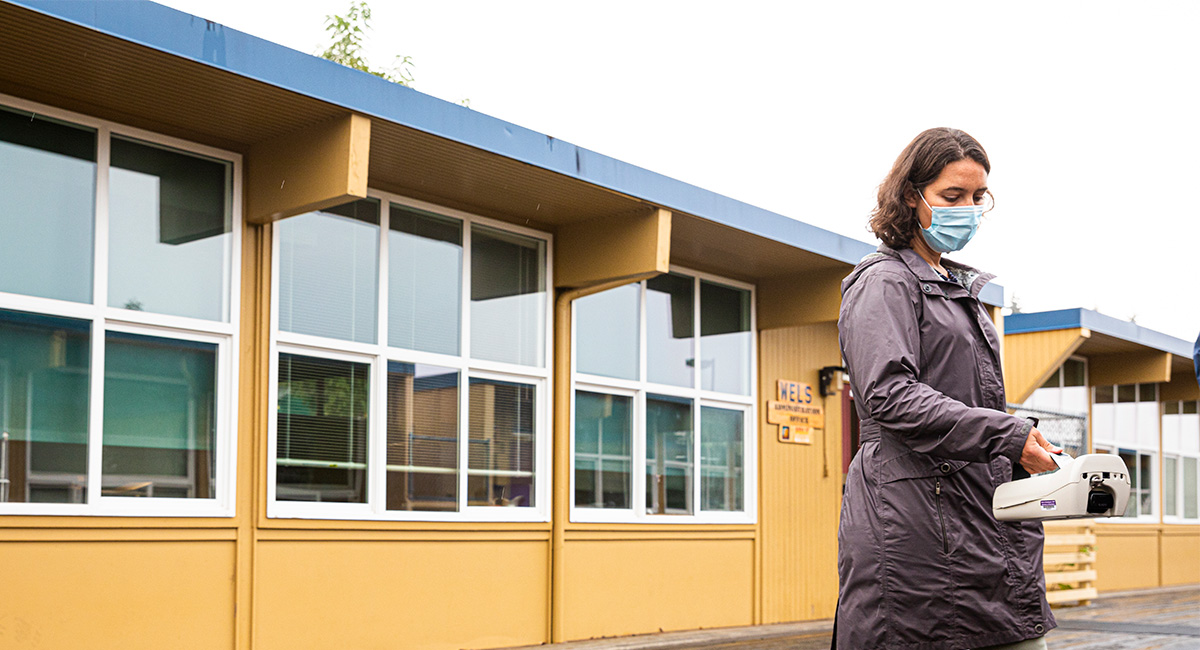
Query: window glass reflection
x=328, y=272
x=725, y=339
x=47, y=207
x=603, y=450
x=670, y=330
x=502, y=421
x=1170, y=485
x=606, y=332
x=1191, y=506
x=170, y=236
x=721, y=459
x=424, y=281
x=160, y=417
x=44, y=367
x=422, y=437
x=321, y=439
x=508, y=297
x=669, y=467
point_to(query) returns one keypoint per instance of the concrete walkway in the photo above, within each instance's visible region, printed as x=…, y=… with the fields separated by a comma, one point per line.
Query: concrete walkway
x=1155, y=619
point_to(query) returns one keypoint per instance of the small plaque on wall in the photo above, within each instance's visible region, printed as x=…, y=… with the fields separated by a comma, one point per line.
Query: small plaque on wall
x=795, y=412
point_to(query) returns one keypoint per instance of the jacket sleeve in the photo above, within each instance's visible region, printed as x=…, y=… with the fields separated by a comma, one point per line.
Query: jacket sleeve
x=879, y=333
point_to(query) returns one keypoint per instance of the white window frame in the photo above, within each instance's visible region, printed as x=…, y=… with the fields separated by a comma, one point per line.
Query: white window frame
x=1155, y=453
x=640, y=388
x=378, y=354
x=1134, y=480
x=103, y=318
x=1180, y=456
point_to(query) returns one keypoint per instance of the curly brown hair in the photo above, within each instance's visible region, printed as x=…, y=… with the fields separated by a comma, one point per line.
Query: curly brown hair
x=918, y=165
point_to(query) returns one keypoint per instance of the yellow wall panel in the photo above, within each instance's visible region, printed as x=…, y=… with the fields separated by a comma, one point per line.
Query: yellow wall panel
x=1181, y=555
x=391, y=594
x=118, y=595
x=636, y=586
x=1126, y=557
x=801, y=485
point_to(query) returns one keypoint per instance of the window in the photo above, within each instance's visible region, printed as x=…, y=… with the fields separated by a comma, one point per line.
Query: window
x=410, y=365
x=1127, y=417
x=118, y=303
x=1065, y=391
x=1181, y=455
x=1141, y=479
x=663, y=402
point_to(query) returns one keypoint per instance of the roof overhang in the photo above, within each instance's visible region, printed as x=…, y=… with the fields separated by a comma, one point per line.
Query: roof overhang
x=149, y=66
x=1118, y=352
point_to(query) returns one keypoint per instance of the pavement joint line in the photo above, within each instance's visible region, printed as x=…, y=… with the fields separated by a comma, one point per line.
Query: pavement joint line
x=1128, y=628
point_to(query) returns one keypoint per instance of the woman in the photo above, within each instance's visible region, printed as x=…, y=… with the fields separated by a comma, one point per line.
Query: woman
x=922, y=561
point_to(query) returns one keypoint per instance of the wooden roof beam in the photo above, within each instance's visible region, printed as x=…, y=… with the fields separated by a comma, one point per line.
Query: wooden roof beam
x=311, y=169
x=1141, y=367
x=631, y=247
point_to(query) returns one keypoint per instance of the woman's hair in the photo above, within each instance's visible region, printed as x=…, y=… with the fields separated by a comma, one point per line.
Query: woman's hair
x=918, y=165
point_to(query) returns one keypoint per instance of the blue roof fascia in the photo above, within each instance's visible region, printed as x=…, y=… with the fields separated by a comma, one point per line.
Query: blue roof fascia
x=992, y=294
x=1075, y=318
x=204, y=41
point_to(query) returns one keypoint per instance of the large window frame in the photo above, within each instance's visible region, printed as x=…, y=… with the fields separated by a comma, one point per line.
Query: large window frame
x=103, y=319
x=1183, y=456
x=1138, y=448
x=377, y=355
x=640, y=389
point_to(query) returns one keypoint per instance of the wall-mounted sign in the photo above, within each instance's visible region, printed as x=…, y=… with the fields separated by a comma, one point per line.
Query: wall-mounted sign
x=796, y=411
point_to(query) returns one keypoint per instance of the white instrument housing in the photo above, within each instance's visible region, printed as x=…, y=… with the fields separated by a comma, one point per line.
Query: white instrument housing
x=1092, y=485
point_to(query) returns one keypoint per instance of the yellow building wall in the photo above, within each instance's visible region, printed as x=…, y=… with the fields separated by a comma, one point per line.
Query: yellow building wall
x=359, y=592
x=800, y=485
x=639, y=582
x=1180, y=555
x=121, y=594
x=1127, y=556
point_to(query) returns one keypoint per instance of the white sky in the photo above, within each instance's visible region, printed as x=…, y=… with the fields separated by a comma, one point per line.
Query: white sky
x=1088, y=110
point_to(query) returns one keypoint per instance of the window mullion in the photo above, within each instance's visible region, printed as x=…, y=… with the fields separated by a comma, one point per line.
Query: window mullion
x=464, y=347
x=99, y=300
x=638, y=484
x=377, y=425
x=697, y=385
x=377, y=437
x=639, y=413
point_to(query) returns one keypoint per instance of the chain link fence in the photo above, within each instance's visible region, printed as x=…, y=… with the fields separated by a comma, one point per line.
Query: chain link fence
x=1067, y=430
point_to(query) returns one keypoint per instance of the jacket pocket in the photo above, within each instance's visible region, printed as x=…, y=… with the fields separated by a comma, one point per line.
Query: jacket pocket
x=917, y=465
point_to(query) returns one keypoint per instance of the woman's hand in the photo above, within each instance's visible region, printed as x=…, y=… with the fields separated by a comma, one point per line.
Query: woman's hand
x=1035, y=457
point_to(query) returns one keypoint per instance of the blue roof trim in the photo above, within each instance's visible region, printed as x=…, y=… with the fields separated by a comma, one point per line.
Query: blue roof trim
x=992, y=294
x=197, y=39
x=1073, y=318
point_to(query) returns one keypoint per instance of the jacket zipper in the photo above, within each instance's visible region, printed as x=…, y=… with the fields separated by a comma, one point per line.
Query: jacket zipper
x=937, y=491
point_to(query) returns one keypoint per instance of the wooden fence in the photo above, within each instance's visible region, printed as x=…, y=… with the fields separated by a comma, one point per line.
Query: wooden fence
x=1070, y=561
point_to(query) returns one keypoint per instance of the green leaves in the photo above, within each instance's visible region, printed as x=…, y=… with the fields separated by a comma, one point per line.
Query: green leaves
x=348, y=33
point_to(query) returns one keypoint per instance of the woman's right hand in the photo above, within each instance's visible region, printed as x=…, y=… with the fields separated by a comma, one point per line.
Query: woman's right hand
x=1035, y=457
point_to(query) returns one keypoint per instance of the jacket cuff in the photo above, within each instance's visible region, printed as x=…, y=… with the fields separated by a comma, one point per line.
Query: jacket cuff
x=1016, y=443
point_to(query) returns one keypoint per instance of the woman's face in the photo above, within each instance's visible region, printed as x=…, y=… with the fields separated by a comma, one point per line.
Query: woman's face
x=963, y=182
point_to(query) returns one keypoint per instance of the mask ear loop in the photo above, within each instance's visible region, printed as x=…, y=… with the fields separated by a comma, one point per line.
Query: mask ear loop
x=921, y=194
x=993, y=202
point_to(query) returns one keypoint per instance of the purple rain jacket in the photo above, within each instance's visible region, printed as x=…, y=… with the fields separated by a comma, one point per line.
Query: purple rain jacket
x=922, y=562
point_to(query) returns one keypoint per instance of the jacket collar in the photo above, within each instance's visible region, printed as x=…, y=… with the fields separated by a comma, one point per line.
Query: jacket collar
x=971, y=276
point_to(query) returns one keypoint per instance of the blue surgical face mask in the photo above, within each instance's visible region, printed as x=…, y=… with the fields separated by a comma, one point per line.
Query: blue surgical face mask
x=951, y=226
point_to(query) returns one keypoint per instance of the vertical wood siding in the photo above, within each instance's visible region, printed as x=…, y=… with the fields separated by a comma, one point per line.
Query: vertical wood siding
x=799, y=503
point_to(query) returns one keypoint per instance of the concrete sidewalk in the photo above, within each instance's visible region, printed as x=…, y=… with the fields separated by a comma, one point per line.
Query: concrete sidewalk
x=1152, y=619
